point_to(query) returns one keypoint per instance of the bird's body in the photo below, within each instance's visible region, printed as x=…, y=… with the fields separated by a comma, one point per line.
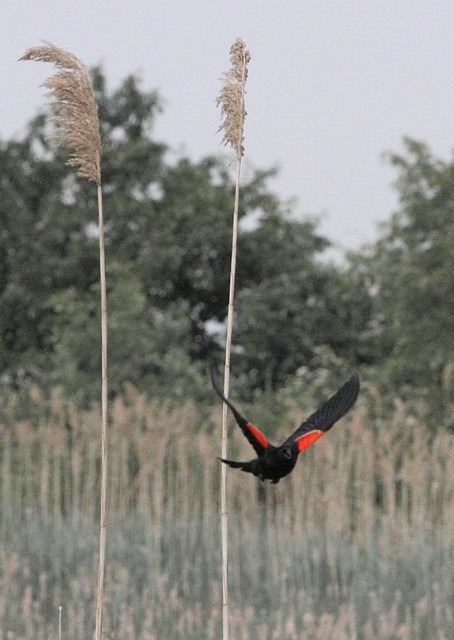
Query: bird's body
x=273, y=463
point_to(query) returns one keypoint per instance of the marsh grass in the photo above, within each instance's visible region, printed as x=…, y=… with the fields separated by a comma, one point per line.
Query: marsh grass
x=356, y=544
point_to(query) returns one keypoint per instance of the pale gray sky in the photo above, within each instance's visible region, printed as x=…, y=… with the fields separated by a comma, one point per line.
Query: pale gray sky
x=332, y=84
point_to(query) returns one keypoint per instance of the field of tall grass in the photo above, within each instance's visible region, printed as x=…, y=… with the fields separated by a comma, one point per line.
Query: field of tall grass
x=357, y=543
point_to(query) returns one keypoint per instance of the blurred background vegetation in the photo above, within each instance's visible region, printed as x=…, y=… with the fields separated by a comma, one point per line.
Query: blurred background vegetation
x=385, y=309
x=357, y=543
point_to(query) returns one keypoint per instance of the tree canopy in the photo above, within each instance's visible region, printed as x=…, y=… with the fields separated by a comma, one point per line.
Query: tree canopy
x=409, y=273
x=168, y=229
x=388, y=309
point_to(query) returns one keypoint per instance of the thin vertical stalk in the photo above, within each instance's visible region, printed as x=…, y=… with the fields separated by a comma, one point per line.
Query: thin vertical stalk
x=104, y=457
x=231, y=100
x=228, y=349
x=77, y=122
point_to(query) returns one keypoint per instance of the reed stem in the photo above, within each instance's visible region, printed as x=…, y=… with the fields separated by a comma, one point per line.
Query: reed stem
x=231, y=100
x=104, y=457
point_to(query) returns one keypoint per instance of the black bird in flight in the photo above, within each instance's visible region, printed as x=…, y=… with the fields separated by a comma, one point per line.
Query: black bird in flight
x=273, y=463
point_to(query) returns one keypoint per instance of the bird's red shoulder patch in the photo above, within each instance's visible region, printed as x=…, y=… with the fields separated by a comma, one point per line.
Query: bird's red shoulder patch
x=258, y=434
x=308, y=438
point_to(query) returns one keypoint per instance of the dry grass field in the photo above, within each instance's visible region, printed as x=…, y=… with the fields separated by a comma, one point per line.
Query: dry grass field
x=356, y=544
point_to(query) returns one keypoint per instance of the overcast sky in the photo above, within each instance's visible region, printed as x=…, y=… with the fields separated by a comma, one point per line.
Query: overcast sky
x=332, y=85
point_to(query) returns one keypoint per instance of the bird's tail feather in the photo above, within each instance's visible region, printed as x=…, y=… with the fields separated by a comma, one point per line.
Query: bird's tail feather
x=236, y=464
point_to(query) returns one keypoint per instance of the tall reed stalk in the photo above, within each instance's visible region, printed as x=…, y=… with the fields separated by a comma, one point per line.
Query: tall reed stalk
x=76, y=115
x=232, y=100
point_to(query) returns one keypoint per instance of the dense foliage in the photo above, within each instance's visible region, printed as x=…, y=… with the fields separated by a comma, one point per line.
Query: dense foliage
x=387, y=310
x=409, y=275
x=168, y=254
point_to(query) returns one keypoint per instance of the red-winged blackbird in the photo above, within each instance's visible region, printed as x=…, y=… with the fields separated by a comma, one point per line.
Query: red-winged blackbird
x=273, y=463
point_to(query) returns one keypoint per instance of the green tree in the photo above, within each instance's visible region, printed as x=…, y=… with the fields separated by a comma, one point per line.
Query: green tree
x=297, y=305
x=168, y=245
x=410, y=274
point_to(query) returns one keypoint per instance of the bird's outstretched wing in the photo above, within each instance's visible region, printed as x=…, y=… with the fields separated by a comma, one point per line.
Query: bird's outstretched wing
x=254, y=436
x=324, y=418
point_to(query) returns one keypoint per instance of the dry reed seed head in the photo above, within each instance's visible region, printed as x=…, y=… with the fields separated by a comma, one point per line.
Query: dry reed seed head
x=76, y=113
x=231, y=97
x=240, y=58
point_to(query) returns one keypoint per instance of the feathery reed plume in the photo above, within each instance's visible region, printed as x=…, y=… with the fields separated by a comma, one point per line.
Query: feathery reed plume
x=231, y=97
x=231, y=100
x=72, y=100
x=77, y=121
